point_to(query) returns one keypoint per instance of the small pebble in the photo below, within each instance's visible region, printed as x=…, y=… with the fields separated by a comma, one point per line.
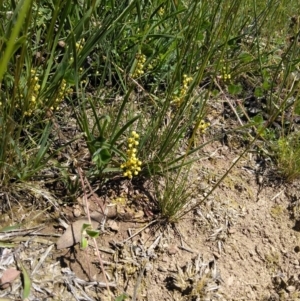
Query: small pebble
x=216, y=255
x=295, y=262
x=113, y=225
x=230, y=280
x=172, y=250
x=139, y=214
x=148, y=267
x=231, y=231
x=76, y=212
x=165, y=258
x=162, y=269
x=256, y=259
x=291, y=288
x=203, y=186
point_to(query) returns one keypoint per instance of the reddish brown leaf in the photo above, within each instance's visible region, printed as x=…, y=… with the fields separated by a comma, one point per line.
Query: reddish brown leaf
x=8, y=277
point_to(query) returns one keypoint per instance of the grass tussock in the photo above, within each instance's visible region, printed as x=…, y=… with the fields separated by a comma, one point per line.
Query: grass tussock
x=138, y=79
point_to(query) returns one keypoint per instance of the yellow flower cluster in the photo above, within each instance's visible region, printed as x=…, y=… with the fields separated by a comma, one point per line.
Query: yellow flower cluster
x=161, y=11
x=139, y=70
x=33, y=91
x=185, y=84
x=62, y=92
x=30, y=100
x=79, y=45
x=202, y=127
x=225, y=75
x=132, y=166
x=119, y=201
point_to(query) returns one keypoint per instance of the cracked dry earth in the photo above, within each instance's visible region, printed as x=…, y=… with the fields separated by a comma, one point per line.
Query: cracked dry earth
x=243, y=243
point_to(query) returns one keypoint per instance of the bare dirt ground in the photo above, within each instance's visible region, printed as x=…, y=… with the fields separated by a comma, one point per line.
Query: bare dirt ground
x=242, y=243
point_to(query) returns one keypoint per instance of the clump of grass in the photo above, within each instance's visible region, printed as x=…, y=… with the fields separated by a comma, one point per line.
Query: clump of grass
x=144, y=66
x=278, y=211
x=273, y=259
x=287, y=152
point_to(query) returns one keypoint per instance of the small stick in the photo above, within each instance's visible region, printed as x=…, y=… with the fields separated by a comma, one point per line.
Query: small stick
x=138, y=282
x=186, y=249
x=89, y=217
x=230, y=104
x=135, y=234
x=277, y=195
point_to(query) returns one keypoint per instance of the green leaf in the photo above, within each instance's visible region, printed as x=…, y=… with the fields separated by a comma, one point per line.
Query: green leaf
x=245, y=57
x=26, y=281
x=121, y=297
x=10, y=228
x=234, y=89
x=258, y=119
x=70, y=77
x=259, y=92
x=102, y=156
x=87, y=230
x=112, y=169
x=22, y=11
x=147, y=50
x=92, y=233
x=84, y=227
x=83, y=243
x=266, y=85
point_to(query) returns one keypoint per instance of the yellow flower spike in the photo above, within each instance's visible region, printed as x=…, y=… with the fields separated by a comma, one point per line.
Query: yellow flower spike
x=131, y=166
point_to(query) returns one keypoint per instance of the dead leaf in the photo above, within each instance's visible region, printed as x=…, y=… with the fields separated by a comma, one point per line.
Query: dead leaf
x=8, y=277
x=73, y=234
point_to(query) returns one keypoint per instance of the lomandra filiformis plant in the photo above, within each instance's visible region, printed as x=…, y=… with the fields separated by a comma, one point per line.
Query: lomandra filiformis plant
x=133, y=165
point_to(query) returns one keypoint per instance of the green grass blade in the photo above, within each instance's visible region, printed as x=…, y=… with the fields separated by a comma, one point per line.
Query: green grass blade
x=22, y=9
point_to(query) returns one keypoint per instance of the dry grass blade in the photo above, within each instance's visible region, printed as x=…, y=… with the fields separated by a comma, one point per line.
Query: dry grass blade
x=42, y=259
x=34, y=188
x=16, y=233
